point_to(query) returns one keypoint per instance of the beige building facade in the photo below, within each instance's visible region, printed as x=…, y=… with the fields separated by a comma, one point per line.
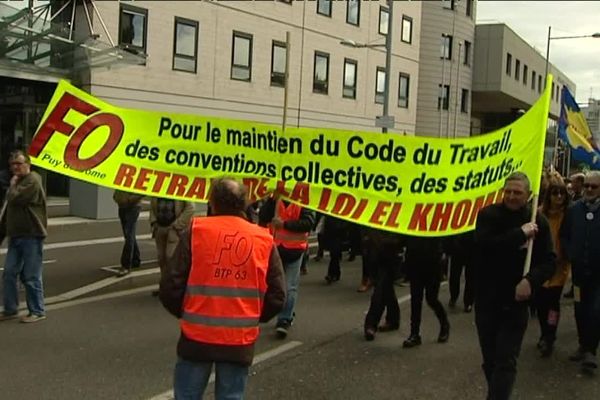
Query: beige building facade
x=445, y=68
x=226, y=58
x=509, y=77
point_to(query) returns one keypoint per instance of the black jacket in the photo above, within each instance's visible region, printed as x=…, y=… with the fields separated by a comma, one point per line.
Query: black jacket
x=501, y=252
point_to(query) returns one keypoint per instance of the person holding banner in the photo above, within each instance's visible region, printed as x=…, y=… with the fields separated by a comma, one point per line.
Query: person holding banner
x=223, y=279
x=580, y=237
x=168, y=218
x=424, y=257
x=381, y=249
x=502, y=290
x=290, y=225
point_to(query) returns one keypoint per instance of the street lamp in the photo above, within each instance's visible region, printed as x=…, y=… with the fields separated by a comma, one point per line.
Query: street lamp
x=593, y=35
x=386, y=120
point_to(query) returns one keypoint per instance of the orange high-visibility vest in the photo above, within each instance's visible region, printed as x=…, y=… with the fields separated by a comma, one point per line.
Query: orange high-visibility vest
x=283, y=237
x=227, y=280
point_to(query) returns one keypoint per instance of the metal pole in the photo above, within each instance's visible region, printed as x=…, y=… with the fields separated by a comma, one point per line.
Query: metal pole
x=388, y=63
x=286, y=80
x=442, y=92
x=458, y=60
x=547, y=55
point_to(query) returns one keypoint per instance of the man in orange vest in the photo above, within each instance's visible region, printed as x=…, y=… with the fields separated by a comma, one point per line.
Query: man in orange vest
x=224, y=278
x=290, y=225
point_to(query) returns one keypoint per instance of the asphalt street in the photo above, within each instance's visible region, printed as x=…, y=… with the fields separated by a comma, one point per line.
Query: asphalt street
x=117, y=342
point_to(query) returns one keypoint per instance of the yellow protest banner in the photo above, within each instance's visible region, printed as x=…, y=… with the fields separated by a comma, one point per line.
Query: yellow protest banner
x=414, y=185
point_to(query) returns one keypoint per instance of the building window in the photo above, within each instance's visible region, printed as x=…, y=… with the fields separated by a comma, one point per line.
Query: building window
x=464, y=101
x=443, y=97
x=525, y=74
x=353, y=12
x=241, y=59
x=379, y=85
x=406, y=35
x=469, y=8
x=384, y=19
x=517, y=69
x=508, y=63
x=349, y=90
x=448, y=4
x=403, y=90
x=532, y=80
x=185, y=54
x=446, y=49
x=539, y=84
x=467, y=55
x=278, y=54
x=324, y=7
x=133, y=26
x=321, y=76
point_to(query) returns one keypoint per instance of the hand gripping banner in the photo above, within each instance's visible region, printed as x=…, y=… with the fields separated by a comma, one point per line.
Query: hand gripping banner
x=414, y=185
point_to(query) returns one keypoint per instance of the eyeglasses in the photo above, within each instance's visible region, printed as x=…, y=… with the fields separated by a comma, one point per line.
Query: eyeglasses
x=17, y=163
x=591, y=186
x=558, y=193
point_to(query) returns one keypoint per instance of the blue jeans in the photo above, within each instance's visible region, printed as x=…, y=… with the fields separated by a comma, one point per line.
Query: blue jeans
x=191, y=379
x=130, y=256
x=292, y=280
x=24, y=260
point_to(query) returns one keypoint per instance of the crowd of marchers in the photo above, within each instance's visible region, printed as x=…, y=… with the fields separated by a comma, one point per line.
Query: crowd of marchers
x=224, y=273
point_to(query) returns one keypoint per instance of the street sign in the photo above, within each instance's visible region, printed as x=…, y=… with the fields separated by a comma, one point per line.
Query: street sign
x=386, y=121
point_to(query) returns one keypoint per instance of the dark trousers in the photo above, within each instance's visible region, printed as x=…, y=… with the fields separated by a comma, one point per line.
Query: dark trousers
x=501, y=332
x=335, y=256
x=130, y=256
x=384, y=296
x=457, y=265
x=430, y=286
x=355, y=239
x=547, y=302
x=587, y=316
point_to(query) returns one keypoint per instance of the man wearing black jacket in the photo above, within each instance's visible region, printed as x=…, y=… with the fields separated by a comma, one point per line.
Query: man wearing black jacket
x=502, y=290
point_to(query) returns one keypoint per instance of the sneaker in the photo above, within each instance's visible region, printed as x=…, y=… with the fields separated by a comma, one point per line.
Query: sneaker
x=282, y=329
x=577, y=355
x=468, y=308
x=32, y=318
x=589, y=361
x=123, y=271
x=444, y=333
x=412, y=341
x=8, y=316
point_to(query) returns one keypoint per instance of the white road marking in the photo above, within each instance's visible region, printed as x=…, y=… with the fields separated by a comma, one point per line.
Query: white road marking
x=91, y=242
x=168, y=395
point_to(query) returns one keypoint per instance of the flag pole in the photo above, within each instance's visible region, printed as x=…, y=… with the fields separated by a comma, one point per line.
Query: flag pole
x=534, y=206
x=534, y=210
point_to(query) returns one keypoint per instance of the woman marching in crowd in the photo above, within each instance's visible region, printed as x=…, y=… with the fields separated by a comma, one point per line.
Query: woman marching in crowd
x=547, y=299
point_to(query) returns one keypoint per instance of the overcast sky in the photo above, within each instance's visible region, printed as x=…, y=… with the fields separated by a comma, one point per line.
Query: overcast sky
x=579, y=59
